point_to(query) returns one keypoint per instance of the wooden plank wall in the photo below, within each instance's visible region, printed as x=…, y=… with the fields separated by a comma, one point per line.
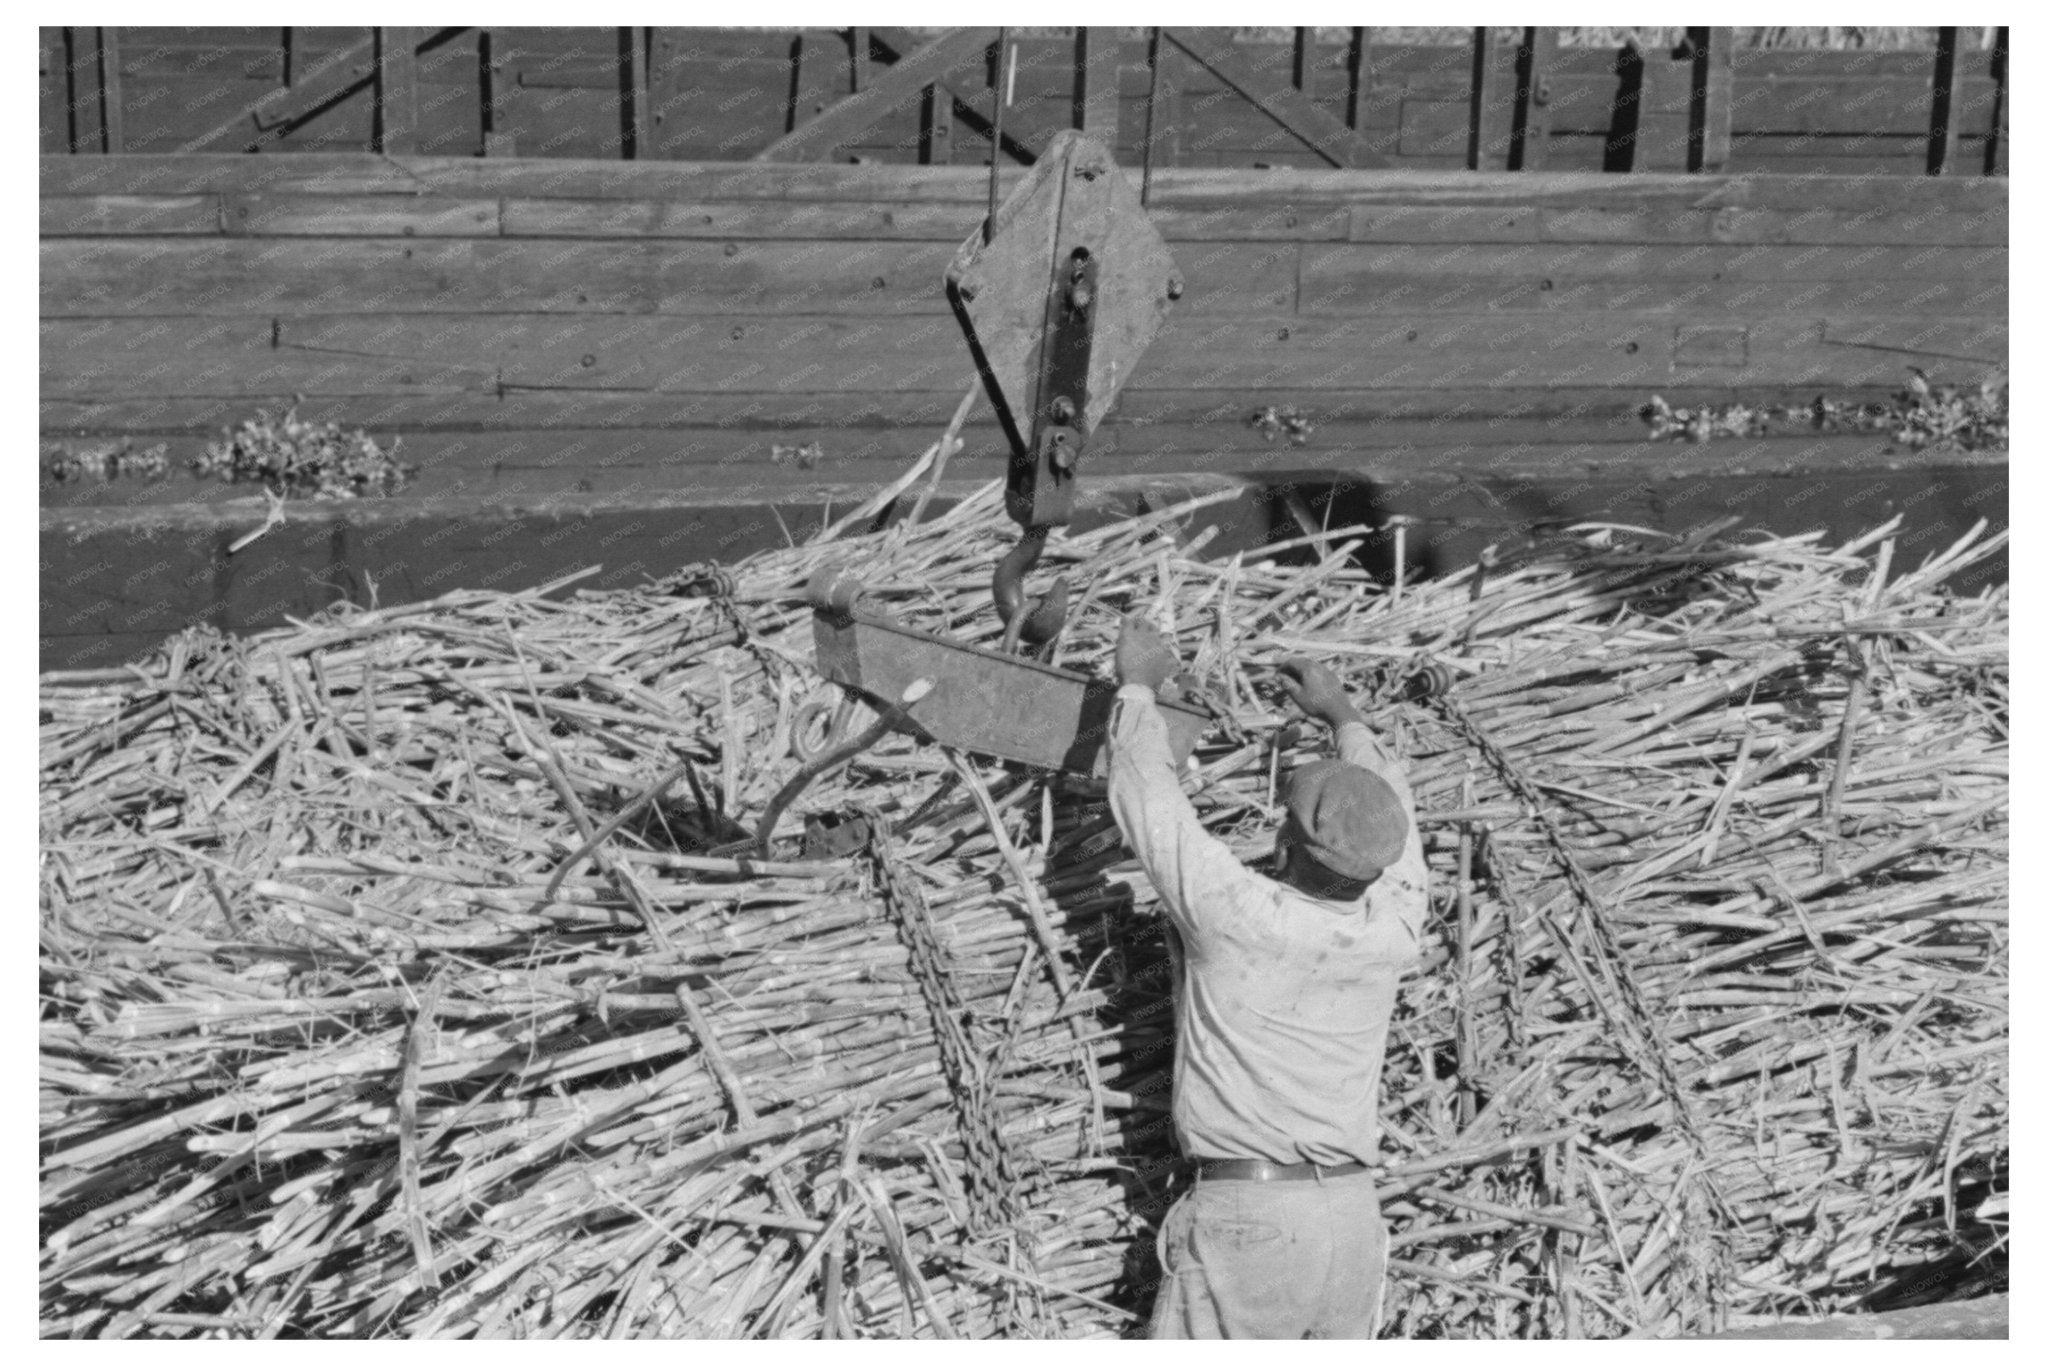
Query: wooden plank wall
x=641, y=350
x=560, y=326
x=724, y=94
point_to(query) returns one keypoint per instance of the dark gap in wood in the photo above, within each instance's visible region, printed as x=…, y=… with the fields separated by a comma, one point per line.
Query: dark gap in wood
x=1358, y=72
x=486, y=114
x=796, y=84
x=1620, y=151
x=1941, y=129
x=1996, y=155
x=1475, y=135
x=1525, y=93
x=1083, y=87
x=635, y=50
x=494, y=50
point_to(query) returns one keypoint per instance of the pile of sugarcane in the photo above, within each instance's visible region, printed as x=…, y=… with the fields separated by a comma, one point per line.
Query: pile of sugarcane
x=415, y=971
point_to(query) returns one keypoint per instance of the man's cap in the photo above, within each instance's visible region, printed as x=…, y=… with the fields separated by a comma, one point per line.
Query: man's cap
x=1347, y=819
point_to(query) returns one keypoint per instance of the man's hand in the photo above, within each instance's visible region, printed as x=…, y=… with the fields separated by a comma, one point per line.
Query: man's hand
x=1143, y=655
x=1314, y=688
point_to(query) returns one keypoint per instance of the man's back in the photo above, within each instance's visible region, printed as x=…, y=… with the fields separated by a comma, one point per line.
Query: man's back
x=1285, y=997
x=1284, y=1013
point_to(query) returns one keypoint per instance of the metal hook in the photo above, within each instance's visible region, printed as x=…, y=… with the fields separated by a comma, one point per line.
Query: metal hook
x=1041, y=624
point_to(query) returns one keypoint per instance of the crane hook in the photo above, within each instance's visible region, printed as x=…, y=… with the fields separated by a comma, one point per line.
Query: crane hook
x=1040, y=625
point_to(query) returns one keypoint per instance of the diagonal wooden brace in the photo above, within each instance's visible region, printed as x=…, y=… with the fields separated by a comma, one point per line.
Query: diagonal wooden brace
x=1024, y=127
x=347, y=72
x=1328, y=137
x=855, y=114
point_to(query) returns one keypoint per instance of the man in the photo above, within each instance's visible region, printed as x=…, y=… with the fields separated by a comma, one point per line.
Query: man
x=1286, y=988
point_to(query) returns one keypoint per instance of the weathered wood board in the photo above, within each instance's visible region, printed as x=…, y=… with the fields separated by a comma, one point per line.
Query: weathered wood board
x=667, y=337
x=725, y=94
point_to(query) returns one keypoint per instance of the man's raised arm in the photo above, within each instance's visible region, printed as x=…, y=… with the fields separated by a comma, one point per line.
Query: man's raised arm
x=1186, y=863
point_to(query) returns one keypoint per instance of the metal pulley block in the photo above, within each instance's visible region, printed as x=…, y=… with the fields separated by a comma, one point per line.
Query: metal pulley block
x=1058, y=305
x=1059, y=296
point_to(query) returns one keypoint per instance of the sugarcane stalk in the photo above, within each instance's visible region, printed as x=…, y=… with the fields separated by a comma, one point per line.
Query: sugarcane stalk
x=562, y=1094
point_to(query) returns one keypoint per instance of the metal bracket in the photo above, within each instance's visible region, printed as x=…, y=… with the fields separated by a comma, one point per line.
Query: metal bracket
x=1062, y=391
x=1001, y=705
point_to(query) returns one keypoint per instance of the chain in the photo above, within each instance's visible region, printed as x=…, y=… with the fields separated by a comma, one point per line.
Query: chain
x=992, y=1167
x=1643, y=1040
x=1642, y=1037
x=700, y=579
x=709, y=579
x=1495, y=869
x=1417, y=679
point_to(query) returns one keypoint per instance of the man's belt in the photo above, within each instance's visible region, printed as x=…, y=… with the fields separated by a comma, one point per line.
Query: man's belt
x=1257, y=1169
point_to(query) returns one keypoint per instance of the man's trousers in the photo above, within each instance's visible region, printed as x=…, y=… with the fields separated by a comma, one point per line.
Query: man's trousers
x=1272, y=1259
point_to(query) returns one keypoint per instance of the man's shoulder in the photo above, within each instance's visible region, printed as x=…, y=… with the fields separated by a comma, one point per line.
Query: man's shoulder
x=1247, y=903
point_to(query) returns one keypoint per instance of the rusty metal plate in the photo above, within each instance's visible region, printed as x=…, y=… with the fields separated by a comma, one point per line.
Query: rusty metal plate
x=1073, y=196
x=1001, y=706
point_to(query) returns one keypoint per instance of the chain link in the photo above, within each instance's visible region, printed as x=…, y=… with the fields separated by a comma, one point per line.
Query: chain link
x=992, y=1166
x=1640, y=1032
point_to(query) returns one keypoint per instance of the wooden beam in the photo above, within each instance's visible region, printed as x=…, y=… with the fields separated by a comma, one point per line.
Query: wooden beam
x=1096, y=56
x=398, y=91
x=1490, y=141
x=813, y=76
x=1711, y=117
x=935, y=127
x=971, y=92
x=350, y=71
x=1997, y=152
x=663, y=88
x=111, y=139
x=56, y=93
x=1328, y=138
x=1867, y=209
x=344, y=73
x=1532, y=105
x=857, y=113
x=1155, y=66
